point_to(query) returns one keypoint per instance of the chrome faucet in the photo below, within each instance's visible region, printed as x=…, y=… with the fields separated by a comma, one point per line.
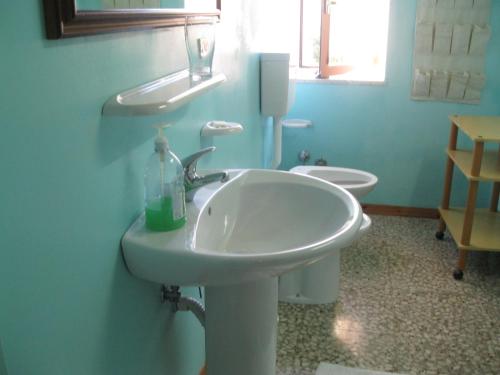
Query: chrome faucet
x=193, y=181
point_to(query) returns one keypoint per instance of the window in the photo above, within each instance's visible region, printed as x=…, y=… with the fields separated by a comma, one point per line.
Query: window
x=342, y=39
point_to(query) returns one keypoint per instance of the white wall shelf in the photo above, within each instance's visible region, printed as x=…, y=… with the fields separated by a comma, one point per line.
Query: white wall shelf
x=160, y=96
x=297, y=123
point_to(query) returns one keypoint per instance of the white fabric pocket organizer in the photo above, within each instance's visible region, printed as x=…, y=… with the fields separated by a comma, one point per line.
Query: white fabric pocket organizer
x=422, y=83
x=451, y=41
x=474, y=87
x=458, y=83
x=479, y=40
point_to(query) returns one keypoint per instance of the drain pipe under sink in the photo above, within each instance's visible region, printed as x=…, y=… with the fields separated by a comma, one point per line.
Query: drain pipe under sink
x=173, y=295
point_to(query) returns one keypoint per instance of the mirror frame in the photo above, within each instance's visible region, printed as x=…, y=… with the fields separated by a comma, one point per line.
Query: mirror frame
x=64, y=20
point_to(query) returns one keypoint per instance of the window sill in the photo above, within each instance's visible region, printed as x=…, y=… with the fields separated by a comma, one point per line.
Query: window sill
x=309, y=75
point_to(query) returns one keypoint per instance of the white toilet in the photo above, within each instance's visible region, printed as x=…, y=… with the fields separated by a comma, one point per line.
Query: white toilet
x=320, y=282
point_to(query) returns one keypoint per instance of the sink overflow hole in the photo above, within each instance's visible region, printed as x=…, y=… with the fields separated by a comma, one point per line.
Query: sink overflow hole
x=209, y=211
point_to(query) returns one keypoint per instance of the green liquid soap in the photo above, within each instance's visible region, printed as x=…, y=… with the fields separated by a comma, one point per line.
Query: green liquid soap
x=159, y=216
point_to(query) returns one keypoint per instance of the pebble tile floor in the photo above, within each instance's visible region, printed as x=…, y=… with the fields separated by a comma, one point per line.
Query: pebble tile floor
x=400, y=310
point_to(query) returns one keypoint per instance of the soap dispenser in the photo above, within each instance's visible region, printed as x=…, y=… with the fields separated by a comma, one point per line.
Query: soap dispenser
x=164, y=188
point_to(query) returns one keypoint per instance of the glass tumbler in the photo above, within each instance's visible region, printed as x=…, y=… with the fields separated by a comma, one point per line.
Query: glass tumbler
x=200, y=45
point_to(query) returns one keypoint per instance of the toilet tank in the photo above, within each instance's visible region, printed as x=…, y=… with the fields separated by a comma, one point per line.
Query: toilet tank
x=274, y=77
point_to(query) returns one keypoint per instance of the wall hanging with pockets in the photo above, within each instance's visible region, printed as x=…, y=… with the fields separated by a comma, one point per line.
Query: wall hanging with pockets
x=451, y=37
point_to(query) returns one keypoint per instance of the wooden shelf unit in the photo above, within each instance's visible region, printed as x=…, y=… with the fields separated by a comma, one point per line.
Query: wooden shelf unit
x=470, y=228
x=485, y=229
x=490, y=166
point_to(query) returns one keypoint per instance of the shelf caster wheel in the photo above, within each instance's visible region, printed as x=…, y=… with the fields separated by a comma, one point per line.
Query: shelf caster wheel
x=439, y=235
x=458, y=274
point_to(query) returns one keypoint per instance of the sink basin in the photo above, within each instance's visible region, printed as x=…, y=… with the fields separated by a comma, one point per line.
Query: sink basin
x=239, y=236
x=259, y=224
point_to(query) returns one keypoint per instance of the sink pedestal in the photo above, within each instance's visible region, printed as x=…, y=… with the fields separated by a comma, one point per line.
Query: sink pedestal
x=241, y=328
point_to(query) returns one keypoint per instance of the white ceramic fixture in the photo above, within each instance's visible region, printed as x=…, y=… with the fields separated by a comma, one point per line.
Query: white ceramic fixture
x=357, y=182
x=239, y=237
x=320, y=282
x=162, y=95
x=217, y=128
x=276, y=95
x=296, y=123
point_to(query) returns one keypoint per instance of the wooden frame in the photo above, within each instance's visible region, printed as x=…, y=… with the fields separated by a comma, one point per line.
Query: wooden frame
x=389, y=210
x=64, y=20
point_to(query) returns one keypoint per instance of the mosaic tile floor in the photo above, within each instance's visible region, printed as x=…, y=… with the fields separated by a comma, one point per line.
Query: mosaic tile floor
x=399, y=309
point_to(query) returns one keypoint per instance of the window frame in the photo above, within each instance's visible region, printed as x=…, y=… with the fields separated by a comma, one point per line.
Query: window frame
x=324, y=69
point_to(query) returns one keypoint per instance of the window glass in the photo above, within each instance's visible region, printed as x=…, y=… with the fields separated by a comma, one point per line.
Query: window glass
x=291, y=11
x=358, y=35
x=311, y=22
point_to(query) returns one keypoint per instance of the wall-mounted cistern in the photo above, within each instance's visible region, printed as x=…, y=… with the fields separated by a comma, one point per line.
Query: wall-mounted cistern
x=274, y=95
x=193, y=181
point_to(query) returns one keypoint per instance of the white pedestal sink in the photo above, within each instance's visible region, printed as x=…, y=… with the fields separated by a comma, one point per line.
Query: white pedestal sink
x=238, y=238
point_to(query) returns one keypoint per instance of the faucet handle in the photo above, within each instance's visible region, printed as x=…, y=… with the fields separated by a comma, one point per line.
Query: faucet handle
x=189, y=162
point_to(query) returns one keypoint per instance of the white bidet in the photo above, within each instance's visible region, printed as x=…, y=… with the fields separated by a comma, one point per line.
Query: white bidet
x=319, y=282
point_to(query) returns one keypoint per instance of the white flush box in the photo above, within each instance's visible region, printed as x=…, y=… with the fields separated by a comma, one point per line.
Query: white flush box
x=274, y=83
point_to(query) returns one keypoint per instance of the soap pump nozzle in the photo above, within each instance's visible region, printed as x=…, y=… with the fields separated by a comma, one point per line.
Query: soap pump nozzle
x=161, y=142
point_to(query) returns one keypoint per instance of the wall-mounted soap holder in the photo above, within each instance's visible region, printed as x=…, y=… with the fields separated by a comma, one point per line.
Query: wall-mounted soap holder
x=216, y=128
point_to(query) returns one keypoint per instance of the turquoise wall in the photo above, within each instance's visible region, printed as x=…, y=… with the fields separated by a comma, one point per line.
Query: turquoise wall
x=379, y=129
x=3, y=369
x=72, y=179
x=71, y=184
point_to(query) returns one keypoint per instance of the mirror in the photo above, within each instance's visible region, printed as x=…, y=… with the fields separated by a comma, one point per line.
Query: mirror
x=194, y=5
x=70, y=18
